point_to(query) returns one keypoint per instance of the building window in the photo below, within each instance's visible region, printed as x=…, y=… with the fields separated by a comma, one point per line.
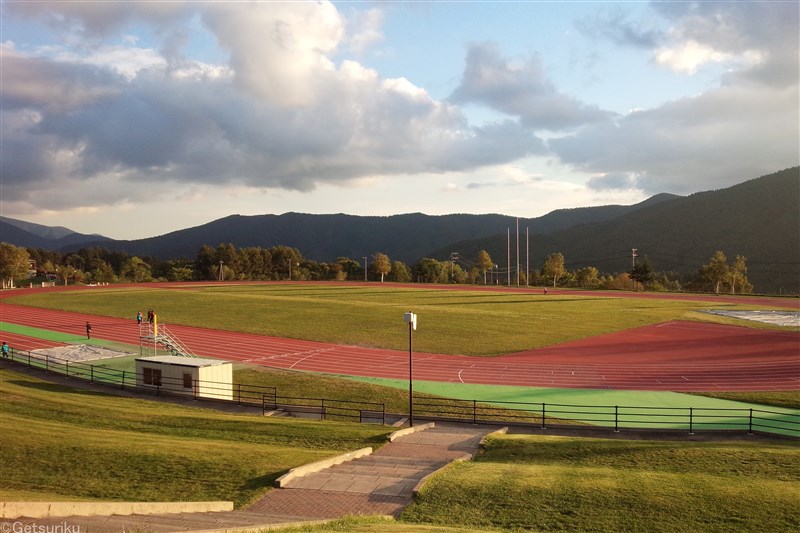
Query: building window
x=152, y=376
x=187, y=381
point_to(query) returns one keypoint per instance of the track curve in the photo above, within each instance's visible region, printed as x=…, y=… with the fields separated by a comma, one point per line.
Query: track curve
x=676, y=356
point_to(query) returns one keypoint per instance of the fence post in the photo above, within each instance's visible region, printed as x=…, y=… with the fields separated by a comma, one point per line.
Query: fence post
x=616, y=419
x=474, y=412
x=29, y=358
x=239, y=394
x=66, y=367
x=123, y=380
x=91, y=373
x=543, y=416
x=383, y=414
x=47, y=363
x=750, y=423
x=322, y=414
x=691, y=421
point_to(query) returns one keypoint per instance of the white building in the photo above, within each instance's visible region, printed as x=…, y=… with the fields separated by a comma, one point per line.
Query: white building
x=192, y=376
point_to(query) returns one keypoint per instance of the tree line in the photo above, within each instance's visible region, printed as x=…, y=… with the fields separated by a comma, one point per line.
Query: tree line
x=226, y=262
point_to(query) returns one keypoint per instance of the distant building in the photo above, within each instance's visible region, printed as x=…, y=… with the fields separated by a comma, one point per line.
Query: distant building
x=192, y=376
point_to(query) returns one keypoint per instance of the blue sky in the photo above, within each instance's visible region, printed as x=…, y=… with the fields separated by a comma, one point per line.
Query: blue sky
x=133, y=119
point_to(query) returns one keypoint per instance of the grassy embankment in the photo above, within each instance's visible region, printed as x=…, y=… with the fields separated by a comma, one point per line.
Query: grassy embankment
x=62, y=443
x=67, y=443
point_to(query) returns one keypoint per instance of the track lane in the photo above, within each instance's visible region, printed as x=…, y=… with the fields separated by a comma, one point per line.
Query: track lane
x=676, y=356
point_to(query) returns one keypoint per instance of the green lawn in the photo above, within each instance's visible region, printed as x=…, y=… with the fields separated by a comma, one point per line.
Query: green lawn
x=568, y=484
x=457, y=321
x=87, y=445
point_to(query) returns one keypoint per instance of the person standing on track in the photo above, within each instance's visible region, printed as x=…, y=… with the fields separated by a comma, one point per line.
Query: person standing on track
x=5, y=349
x=88, y=330
x=139, y=317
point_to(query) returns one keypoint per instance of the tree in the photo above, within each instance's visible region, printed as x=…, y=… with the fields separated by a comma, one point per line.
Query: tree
x=484, y=262
x=737, y=274
x=13, y=264
x=716, y=271
x=430, y=270
x=587, y=277
x=642, y=272
x=381, y=264
x=204, y=263
x=554, y=267
x=400, y=272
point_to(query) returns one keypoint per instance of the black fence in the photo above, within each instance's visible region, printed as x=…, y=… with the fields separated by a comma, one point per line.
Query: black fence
x=618, y=417
x=264, y=397
x=543, y=415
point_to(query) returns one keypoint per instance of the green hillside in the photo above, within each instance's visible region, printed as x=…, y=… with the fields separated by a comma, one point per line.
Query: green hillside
x=759, y=219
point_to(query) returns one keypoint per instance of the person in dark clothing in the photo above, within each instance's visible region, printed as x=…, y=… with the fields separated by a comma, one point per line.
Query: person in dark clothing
x=88, y=330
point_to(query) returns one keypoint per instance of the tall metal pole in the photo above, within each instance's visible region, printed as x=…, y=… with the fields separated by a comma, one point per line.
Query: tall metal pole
x=365, y=268
x=517, y=252
x=410, y=379
x=527, y=259
x=508, y=258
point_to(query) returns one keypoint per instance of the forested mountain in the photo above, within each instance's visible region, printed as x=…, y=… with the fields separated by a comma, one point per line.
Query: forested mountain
x=405, y=238
x=30, y=235
x=758, y=219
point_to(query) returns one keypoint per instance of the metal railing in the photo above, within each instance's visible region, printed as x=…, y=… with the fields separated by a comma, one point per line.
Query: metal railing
x=542, y=415
x=264, y=397
x=618, y=417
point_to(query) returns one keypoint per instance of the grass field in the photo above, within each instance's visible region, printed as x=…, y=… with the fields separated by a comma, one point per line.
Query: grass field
x=463, y=322
x=76, y=444
x=567, y=484
x=61, y=443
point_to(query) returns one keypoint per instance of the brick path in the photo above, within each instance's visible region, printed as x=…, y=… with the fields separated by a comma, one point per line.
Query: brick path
x=381, y=483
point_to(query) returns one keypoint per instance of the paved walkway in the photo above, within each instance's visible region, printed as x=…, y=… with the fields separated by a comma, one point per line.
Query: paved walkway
x=381, y=483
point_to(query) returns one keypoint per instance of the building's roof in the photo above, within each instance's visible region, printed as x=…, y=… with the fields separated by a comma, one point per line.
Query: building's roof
x=177, y=360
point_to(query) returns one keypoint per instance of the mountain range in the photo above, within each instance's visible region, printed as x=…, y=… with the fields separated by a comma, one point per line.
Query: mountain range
x=759, y=219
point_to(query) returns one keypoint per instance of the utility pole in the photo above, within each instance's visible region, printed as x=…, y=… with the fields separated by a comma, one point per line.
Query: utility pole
x=221, y=274
x=634, y=255
x=365, y=268
x=508, y=259
x=518, y=252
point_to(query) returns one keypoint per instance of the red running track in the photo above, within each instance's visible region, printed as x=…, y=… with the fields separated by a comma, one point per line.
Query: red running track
x=675, y=356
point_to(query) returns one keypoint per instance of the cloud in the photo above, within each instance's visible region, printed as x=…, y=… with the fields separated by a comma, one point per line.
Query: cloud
x=614, y=25
x=745, y=127
x=717, y=139
x=280, y=115
x=611, y=181
x=521, y=90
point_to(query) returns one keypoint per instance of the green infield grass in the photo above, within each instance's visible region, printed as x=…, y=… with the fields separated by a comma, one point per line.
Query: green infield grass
x=87, y=445
x=567, y=484
x=450, y=321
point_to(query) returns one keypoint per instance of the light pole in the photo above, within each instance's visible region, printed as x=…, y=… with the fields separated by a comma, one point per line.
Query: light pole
x=410, y=319
x=290, y=269
x=365, y=268
x=221, y=275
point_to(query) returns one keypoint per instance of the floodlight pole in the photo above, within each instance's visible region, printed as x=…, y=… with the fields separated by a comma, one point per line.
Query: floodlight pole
x=410, y=379
x=410, y=319
x=365, y=268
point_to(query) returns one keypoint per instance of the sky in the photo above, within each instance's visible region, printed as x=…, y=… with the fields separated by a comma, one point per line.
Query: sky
x=135, y=119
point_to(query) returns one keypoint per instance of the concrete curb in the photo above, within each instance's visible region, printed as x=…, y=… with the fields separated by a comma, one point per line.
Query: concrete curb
x=310, y=468
x=421, y=482
x=408, y=431
x=482, y=443
x=463, y=458
x=50, y=509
